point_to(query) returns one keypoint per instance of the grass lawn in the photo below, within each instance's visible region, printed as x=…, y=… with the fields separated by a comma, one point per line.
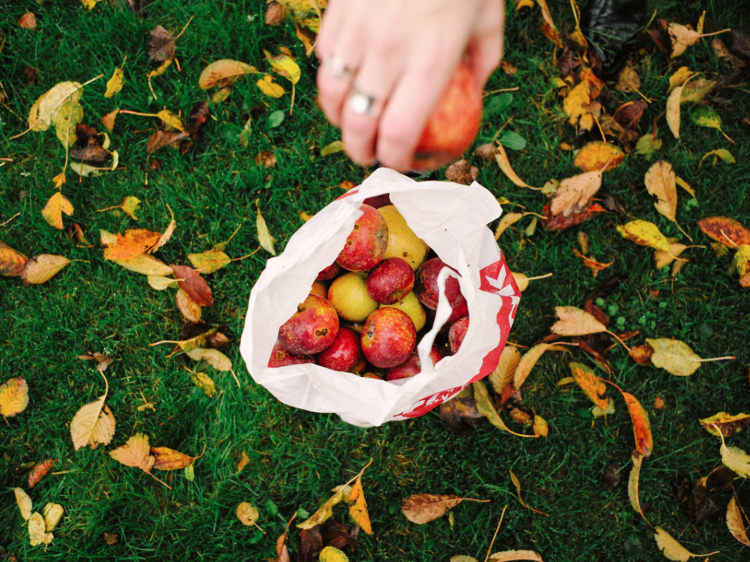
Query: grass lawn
x=296, y=457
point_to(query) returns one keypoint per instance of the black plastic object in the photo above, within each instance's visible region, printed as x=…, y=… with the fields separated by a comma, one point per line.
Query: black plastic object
x=609, y=26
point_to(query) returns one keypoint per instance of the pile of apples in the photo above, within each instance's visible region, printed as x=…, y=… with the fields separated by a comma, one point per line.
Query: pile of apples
x=367, y=310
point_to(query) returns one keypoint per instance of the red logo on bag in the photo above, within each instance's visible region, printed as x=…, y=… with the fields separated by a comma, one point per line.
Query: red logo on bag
x=348, y=193
x=497, y=279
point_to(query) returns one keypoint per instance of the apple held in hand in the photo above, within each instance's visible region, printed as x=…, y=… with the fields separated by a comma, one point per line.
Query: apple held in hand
x=390, y=281
x=402, y=242
x=411, y=305
x=310, y=330
x=348, y=295
x=388, y=337
x=412, y=366
x=344, y=353
x=453, y=124
x=280, y=357
x=367, y=242
x=457, y=334
x=426, y=288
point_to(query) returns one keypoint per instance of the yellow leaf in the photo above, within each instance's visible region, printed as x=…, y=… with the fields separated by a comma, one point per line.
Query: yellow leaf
x=521, y=279
x=674, y=356
x=60, y=97
x=485, y=407
x=671, y=548
x=224, y=73
x=517, y=484
x=324, y=513
x=735, y=459
x=644, y=233
x=591, y=385
x=735, y=524
x=93, y=424
x=502, y=160
x=574, y=102
x=673, y=111
x=269, y=87
x=285, y=66
x=635, y=473
x=145, y=265
x=54, y=209
x=135, y=453
x=115, y=84
x=512, y=555
x=679, y=76
x=575, y=322
x=130, y=205
x=741, y=260
x=506, y=367
x=161, y=283
x=331, y=554
x=247, y=514
x=663, y=259
x=335, y=146
x=264, y=236
x=304, y=6
x=205, y=383
x=660, y=181
x=169, y=459
x=527, y=363
x=89, y=3
x=727, y=424
x=53, y=512
x=190, y=309
x=42, y=268
x=161, y=70
x=573, y=194
x=37, y=534
x=244, y=460
x=505, y=222
x=599, y=157
x=541, y=427
x=59, y=180
x=209, y=262
x=25, y=505
x=213, y=357
x=14, y=397
x=171, y=120
x=358, y=507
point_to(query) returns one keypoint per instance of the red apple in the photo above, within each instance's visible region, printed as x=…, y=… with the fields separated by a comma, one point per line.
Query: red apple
x=461, y=311
x=390, y=281
x=413, y=366
x=344, y=353
x=378, y=201
x=453, y=124
x=311, y=329
x=457, y=334
x=367, y=243
x=426, y=289
x=329, y=272
x=280, y=357
x=388, y=337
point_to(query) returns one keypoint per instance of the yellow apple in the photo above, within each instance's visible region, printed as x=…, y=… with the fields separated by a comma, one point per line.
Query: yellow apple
x=402, y=242
x=348, y=295
x=319, y=289
x=411, y=305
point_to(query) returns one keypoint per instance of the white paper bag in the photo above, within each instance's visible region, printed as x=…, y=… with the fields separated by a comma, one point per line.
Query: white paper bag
x=452, y=219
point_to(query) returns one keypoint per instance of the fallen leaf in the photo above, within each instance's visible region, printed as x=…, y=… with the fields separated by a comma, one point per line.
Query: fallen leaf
x=575, y=103
x=598, y=157
x=508, y=220
x=40, y=469
x=660, y=181
x=644, y=441
x=517, y=484
x=644, y=233
x=24, y=503
x=575, y=322
x=205, y=383
x=189, y=309
x=696, y=90
x=110, y=539
x=160, y=139
x=592, y=264
x=330, y=554
x=735, y=459
x=285, y=66
x=721, y=153
x=682, y=38
x=727, y=424
x=561, y=222
x=54, y=209
x=12, y=262
x=193, y=284
x=109, y=119
x=527, y=362
x=735, y=523
x=209, y=262
x=135, y=453
x=635, y=473
x=541, y=427
x=521, y=417
x=591, y=385
x=223, y=73
x=324, y=513
x=37, y=534
x=462, y=172
x=725, y=230
x=103, y=361
x=723, y=53
x=358, y=507
x=131, y=244
x=53, y=512
x=162, y=45
x=549, y=30
x=502, y=160
x=460, y=414
x=423, y=508
x=642, y=354
x=264, y=235
x=332, y=148
x=169, y=459
x=93, y=424
x=14, y=397
x=247, y=514
x=674, y=356
x=741, y=260
x=573, y=194
x=27, y=21
x=610, y=478
x=145, y=265
x=648, y=144
x=629, y=114
x=115, y=84
x=61, y=100
x=84, y=170
x=663, y=259
x=679, y=77
x=42, y=268
x=671, y=548
x=485, y=407
x=213, y=357
x=705, y=116
x=310, y=543
x=673, y=111
x=510, y=555
x=275, y=13
x=269, y=87
x=89, y=149
x=461, y=558
x=164, y=238
x=243, y=462
x=628, y=80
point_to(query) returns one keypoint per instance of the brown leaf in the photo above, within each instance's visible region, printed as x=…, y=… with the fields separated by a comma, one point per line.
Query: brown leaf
x=461, y=172
x=660, y=181
x=628, y=80
x=189, y=309
x=682, y=38
x=28, y=21
x=573, y=194
x=89, y=149
x=629, y=115
x=721, y=51
x=339, y=536
x=702, y=505
x=460, y=414
x=267, y=159
x=103, y=361
x=727, y=424
x=610, y=478
x=42, y=268
x=508, y=67
x=135, y=453
x=131, y=244
x=486, y=152
x=503, y=374
x=597, y=157
x=169, y=459
x=735, y=523
x=109, y=119
x=725, y=230
x=310, y=543
x=423, y=508
x=644, y=442
x=198, y=116
x=162, y=45
x=642, y=354
x=193, y=284
x=741, y=41
x=39, y=471
x=275, y=13
x=111, y=539
x=561, y=222
x=160, y=139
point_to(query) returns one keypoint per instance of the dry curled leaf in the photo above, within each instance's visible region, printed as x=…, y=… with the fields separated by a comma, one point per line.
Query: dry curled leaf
x=726, y=424
x=39, y=471
x=193, y=284
x=264, y=235
x=162, y=45
x=224, y=73
x=12, y=262
x=502, y=160
x=42, y=268
x=591, y=385
x=672, y=549
x=644, y=441
x=14, y=397
x=169, y=459
x=423, y=508
x=573, y=194
x=54, y=209
x=635, y=473
x=517, y=484
x=24, y=503
x=462, y=172
x=37, y=531
x=735, y=523
x=592, y=264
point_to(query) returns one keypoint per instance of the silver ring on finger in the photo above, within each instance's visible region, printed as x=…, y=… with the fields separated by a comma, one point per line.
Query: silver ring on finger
x=336, y=66
x=360, y=102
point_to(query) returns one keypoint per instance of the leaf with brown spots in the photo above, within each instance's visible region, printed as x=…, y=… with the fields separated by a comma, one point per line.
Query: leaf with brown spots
x=642, y=354
x=644, y=233
x=592, y=264
x=169, y=459
x=629, y=114
x=598, y=157
x=725, y=230
x=267, y=159
x=193, y=284
x=561, y=222
x=14, y=397
x=460, y=414
x=727, y=424
x=12, y=262
x=224, y=73
x=90, y=150
x=131, y=244
x=644, y=441
x=423, y=508
x=591, y=385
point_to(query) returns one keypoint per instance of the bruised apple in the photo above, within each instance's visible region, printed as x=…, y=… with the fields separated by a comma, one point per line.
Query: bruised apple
x=344, y=354
x=411, y=305
x=388, y=337
x=367, y=242
x=453, y=124
x=390, y=281
x=412, y=366
x=402, y=242
x=457, y=334
x=311, y=329
x=348, y=295
x=426, y=288
x=280, y=357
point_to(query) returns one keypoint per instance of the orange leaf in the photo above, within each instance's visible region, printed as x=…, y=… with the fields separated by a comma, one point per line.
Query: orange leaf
x=169, y=459
x=644, y=441
x=591, y=385
x=38, y=472
x=725, y=230
x=599, y=157
x=358, y=509
x=193, y=284
x=131, y=244
x=593, y=265
x=12, y=262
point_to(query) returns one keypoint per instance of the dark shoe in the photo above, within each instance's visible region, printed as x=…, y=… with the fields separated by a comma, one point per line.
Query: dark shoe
x=609, y=25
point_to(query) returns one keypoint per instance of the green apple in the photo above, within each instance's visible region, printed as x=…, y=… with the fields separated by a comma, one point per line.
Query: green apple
x=348, y=295
x=411, y=305
x=402, y=242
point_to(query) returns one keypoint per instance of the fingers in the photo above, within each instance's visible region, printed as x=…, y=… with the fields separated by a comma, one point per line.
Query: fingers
x=485, y=49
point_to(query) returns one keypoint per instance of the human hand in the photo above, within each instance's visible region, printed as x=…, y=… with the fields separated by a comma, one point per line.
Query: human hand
x=401, y=54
